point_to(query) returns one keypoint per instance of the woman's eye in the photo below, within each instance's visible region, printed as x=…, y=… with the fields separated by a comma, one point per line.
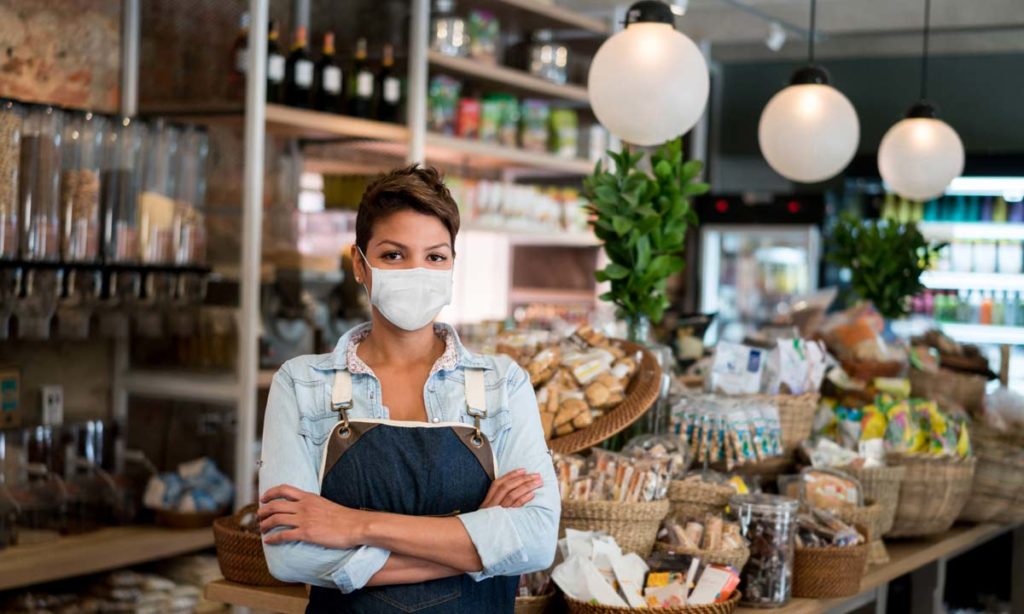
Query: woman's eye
x=437, y=258
x=392, y=256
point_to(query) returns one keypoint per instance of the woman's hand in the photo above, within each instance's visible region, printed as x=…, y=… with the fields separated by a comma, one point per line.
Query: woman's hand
x=514, y=489
x=312, y=519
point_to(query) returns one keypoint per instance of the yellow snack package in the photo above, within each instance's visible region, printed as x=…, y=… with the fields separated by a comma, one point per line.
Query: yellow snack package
x=897, y=387
x=873, y=423
x=963, y=443
x=903, y=432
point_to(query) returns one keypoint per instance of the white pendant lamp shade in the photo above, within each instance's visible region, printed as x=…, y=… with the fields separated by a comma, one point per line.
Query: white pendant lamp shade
x=808, y=132
x=919, y=157
x=648, y=83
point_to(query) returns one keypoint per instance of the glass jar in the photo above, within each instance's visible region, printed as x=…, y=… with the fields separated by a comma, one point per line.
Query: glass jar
x=119, y=190
x=768, y=522
x=448, y=31
x=156, y=202
x=11, y=117
x=80, y=186
x=189, y=221
x=548, y=60
x=38, y=183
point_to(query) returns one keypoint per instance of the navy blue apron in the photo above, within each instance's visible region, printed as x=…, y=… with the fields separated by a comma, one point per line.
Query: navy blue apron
x=416, y=469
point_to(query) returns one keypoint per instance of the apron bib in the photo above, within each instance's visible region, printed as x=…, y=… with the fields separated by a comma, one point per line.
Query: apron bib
x=415, y=469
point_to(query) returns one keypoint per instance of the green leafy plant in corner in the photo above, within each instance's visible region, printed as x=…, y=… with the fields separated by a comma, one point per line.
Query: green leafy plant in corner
x=642, y=219
x=885, y=259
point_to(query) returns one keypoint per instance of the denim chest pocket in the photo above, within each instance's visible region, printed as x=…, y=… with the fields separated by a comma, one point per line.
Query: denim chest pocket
x=316, y=418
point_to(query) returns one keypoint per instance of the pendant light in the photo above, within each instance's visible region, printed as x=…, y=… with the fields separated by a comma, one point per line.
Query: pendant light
x=648, y=83
x=920, y=155
x=809, y=131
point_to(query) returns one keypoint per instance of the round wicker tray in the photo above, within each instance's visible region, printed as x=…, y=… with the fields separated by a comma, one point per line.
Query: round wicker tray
x=534, y=604
x=641, y=393
x=725, y=607
x=633, y=525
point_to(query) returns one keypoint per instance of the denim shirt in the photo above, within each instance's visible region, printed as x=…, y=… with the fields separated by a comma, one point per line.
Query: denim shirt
x=299, y=419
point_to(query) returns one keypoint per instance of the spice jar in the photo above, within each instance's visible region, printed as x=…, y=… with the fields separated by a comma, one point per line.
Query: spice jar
x=189, y=222
x=38, y=183
x=768, y=522
x=156, y=202
x=80, y=186
x=10, y=154
x=119, y=190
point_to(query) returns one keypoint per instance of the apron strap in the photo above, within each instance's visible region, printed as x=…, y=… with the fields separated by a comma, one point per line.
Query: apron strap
x=341, y=395
x=476, y=402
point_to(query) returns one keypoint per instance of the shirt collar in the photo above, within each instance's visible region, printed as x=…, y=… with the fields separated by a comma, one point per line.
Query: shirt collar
x=455, y=354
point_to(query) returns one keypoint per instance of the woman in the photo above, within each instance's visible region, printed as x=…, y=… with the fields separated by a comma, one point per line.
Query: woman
x=403, y=473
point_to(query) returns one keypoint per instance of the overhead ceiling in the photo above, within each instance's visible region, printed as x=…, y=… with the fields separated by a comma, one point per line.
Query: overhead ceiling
x=738, y=29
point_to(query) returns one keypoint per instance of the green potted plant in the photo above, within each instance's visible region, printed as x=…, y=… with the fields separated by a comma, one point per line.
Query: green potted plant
x=885, y=259
x=642, y=218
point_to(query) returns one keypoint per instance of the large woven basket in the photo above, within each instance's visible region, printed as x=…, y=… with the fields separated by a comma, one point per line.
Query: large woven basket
x=725, y=607
x=240, y=549
x=733, y=557
x=641, y=393
x=534, y=604
x=998, y=491
x=697, y=499
x=633, y=525
x=934, y=492
x=796, y=416
x=823, y=573
x=967, y=389
x=882, y=485
x=869, y=517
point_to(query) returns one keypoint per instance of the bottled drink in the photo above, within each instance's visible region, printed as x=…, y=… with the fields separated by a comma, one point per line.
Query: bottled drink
x=1012, y=315
x=239, y=60
x=327, y=88
x=298, y=89
x=275, y=66
x=389, y=88
x=998, y=308
x=984, y=309
x=361, y=84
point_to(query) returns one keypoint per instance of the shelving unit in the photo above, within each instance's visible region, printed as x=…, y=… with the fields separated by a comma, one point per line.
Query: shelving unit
x=184, y=385
x=947, y=231
x=955, y=280
x=538, y=14
x=97, y=551
x=510, y=79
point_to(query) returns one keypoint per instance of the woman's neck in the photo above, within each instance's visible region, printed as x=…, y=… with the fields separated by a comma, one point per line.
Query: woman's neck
x=386, y=344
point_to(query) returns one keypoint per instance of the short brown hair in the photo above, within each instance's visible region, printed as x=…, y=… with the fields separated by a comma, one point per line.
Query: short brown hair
x=420, y=188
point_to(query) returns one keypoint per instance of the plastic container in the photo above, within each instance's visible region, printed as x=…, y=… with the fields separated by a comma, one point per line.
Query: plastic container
x=189, y=220
x=80, y=186
x=768, y=522
x=119, y=190
x=156, y=202
x=38, y=183
x=11, y=117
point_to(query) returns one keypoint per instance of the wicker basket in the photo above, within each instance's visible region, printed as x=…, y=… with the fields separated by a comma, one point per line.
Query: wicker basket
x=966, y=389
x=796, y=416
x=882, y=485
x=725, y=607
x=697, y=499
x=534, y=604
x=867, y=370
x=240, y=550
x=633, y=525
x=933, y=493
x=641, y=393
x=998, y=488
x=823, y=573
x=869, y=517
x=733, y=557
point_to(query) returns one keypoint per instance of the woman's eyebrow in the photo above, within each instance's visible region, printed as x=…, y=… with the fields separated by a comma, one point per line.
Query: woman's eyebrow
x=395, y=243
x=448, y=245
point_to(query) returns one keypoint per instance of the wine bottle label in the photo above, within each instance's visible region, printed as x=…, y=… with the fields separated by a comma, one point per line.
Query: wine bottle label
x=242, y=60
x=332, y=79
x=364, y=85
x=275, y=68
x=392, y=90
x=304, y=74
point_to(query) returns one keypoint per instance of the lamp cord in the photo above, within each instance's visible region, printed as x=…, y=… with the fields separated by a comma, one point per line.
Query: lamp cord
x=924, y=49
x=813, y=32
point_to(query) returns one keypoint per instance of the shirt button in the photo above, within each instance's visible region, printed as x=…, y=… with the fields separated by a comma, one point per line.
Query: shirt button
x=436, y=420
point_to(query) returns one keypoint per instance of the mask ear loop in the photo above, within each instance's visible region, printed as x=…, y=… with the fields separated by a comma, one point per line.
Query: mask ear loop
x=367, y=270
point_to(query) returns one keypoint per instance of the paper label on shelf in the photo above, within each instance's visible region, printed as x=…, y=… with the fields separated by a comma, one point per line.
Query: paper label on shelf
x=392, y=90
x=304, y=74
x=242, y=60
x=332, y=79
x=364, y=85
x=275, y=68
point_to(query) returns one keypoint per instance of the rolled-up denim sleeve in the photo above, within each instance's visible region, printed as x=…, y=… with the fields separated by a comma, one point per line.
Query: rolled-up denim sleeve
x=288, y=458
x=513, y=541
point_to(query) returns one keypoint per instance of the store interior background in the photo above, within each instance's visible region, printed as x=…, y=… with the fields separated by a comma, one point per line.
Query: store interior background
x=69, y=53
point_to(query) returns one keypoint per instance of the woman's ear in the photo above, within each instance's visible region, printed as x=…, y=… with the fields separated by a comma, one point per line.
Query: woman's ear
x=358, y=264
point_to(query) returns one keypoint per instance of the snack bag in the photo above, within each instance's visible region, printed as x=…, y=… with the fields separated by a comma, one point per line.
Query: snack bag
x=873, y=423
x=903, y=433
x=825, y=424
x=849, y=420
x=963, y=443
x=736, y=369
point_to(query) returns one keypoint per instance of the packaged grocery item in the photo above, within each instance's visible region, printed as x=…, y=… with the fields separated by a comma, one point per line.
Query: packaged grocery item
x=903, y=432
x=442, y=101
x=564, y=128
x=736, y=369
x=768, y=522
x=717, y=583
x=484, y=32
x=490, y=118
x=830, y=489
x=819, y=528
x=533, y=131
x=467, y=121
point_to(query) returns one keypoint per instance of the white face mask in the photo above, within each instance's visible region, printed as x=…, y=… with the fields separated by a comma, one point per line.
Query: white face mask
x=410, y=298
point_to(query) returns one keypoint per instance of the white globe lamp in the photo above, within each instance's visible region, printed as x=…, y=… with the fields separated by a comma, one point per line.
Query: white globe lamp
x=920, y=155
x=809, y=131
x=648, y=83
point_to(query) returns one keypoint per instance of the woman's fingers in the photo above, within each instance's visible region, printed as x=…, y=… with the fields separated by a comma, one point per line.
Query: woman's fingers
x=278, y=506
x=521, y=501
x=283, y=491
x=497, y=487
x=522, y=489
x=278, y=520
x=509, y=484
x=282, y=537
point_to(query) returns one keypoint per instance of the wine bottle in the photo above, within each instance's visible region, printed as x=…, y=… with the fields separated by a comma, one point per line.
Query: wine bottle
x=239, y=60
x=361, y=83
x=299, y=73
x=389, y=87
x=328, y=83
x=275, y=66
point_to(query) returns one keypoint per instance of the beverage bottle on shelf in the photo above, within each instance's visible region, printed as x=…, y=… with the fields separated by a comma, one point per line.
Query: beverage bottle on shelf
x=388, y=88
x=275, y=66
x=889, y=208
x=999, y=210
x=1016, y=212
x=361, y=83
x=917, y=212
x=959, y=213
x=239, y=60
x=1010, y=313
x=905, y=210
x=998, y=308
x=328, y=82
x=963, y=306
x=298, y=73
x=974, y=312
x=987, y=208
x=984, y=308
x=931, y=210
x=929, y=303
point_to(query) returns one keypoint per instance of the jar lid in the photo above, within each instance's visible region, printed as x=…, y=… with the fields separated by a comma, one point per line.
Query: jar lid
x=760, y=502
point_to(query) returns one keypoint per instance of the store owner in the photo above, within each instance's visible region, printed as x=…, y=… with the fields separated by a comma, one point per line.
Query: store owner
x=403, y=473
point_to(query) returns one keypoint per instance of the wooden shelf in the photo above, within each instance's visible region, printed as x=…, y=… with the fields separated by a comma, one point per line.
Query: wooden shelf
x=479, y=154
x=511, y=79
x=549, y=295
x=528, y=15
x=182, y=384
x=304, y=123
x=286, y=599
x=97, y=551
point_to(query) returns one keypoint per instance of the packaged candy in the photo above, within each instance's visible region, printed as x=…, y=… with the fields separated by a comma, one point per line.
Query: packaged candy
x=873, y=423
x=903, y=432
